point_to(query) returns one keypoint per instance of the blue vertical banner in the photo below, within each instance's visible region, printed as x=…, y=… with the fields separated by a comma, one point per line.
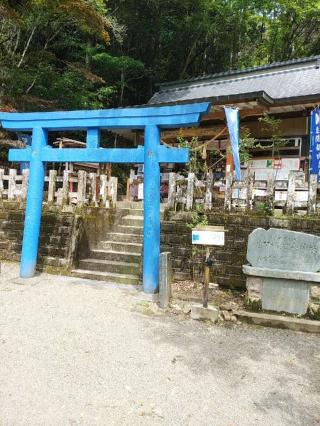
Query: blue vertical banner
x=315, y=143
x=233, y=122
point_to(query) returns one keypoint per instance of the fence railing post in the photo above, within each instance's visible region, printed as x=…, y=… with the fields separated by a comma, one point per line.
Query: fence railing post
x=129, y=183
x=250, y=193
x=270, y=192
x=93, y=189
x=113, y=191
x=312, y=200
x=103, y=190
x=208, y=194
x=52, y=186
x=12, y=184
x=228, y=193
x=190, y=191
x=1, y=183
x=64, y=200
x=82, y=186
x=24, y=184
x=172, y=190
x=291, y=192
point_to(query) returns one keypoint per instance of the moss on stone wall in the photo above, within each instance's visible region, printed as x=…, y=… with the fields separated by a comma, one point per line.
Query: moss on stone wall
x=253, y=305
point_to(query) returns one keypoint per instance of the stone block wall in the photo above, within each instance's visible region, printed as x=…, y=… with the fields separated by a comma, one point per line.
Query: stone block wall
x=314, y=305
x=65, y=234
x=58, y=236
x=176, y=237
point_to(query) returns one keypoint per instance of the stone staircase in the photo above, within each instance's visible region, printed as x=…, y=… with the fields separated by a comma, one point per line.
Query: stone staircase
x=118, y=258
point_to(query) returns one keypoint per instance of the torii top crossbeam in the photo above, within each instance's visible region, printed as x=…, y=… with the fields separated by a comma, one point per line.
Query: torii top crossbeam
x=149, y=119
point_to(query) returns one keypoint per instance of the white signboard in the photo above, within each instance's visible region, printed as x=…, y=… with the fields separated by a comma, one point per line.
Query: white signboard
x=140, y=191
x=278, y=169
x=208, y=235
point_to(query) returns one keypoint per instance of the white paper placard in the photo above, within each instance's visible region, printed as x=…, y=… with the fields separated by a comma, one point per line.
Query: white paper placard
x=302, y=196
x=260, y=192
x=280, y=196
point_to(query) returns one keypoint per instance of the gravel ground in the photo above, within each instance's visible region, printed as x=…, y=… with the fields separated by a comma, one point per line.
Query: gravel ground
x=76, y=352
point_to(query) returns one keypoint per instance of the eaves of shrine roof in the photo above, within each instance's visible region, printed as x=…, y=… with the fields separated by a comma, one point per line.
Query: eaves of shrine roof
x=277, y=83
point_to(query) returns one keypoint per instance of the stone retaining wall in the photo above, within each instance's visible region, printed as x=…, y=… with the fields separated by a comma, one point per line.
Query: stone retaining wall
x=57, y=238
x=176, y=237
x=65, y=235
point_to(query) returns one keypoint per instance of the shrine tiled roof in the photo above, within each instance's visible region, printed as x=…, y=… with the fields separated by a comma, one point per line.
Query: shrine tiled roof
x=276, y=83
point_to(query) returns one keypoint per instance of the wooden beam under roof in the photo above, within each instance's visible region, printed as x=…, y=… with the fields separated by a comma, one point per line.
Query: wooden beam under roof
x=244, y=113
x=203, y=132
x=287, y=108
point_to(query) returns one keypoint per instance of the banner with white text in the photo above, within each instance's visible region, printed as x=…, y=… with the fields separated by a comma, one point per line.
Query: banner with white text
x=315, y=142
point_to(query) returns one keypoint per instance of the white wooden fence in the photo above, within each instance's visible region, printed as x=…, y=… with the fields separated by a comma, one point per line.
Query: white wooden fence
x=188, y=191
x=294, y=194
x=290, y=195
x=100, y=191
x=70, y=189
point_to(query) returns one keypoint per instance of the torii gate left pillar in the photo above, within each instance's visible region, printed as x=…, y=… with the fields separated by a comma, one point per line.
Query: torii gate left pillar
x=149, y=119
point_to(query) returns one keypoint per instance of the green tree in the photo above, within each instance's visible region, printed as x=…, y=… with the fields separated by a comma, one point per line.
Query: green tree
x=99, y=53
x=42, y=53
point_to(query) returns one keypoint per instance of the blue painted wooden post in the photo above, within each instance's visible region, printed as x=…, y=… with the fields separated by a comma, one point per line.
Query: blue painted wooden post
x=32, y=221
x=151, y=245
x=93, y=138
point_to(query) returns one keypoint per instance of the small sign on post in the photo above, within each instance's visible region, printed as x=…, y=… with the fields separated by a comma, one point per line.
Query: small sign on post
x=207, y=236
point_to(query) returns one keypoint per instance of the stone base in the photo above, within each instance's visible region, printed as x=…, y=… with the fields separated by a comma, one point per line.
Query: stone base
x=147, y=297
x=292, y=296
x=198, y=312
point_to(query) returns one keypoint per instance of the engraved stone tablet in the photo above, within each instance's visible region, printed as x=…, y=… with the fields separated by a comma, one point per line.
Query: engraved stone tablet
x=285, y=250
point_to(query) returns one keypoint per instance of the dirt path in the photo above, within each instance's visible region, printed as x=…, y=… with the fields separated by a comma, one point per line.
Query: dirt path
x=77, y=352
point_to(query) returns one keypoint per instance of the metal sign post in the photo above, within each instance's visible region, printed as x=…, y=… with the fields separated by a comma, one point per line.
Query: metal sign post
x=207, y=236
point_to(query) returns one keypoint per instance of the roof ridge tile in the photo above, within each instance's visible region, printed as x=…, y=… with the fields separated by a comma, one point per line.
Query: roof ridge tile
x=315, y=59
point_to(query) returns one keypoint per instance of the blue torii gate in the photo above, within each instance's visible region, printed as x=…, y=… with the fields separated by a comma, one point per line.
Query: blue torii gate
x=149, y=119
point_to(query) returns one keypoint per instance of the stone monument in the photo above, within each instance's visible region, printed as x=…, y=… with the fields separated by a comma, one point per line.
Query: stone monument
x=283, y=271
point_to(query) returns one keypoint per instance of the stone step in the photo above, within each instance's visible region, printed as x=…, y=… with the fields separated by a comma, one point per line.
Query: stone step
x=130, y=220
x=115, y=256
x=135, y=248
x=125, y=238
x=138, y=213
x=134, y=212
x=108, y=277
x=131, y=205
x=133, y=216
x=110, y=266
x=124, y=229
x=136, y=205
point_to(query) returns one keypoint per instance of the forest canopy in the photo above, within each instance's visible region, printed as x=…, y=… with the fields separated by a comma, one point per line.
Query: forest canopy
x=74, y=54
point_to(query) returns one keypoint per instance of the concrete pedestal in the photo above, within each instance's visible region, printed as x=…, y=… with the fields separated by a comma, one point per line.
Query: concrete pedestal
x=198, y=312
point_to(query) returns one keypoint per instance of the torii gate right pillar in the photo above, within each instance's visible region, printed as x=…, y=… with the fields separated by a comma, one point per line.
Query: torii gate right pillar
x=151, y=206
